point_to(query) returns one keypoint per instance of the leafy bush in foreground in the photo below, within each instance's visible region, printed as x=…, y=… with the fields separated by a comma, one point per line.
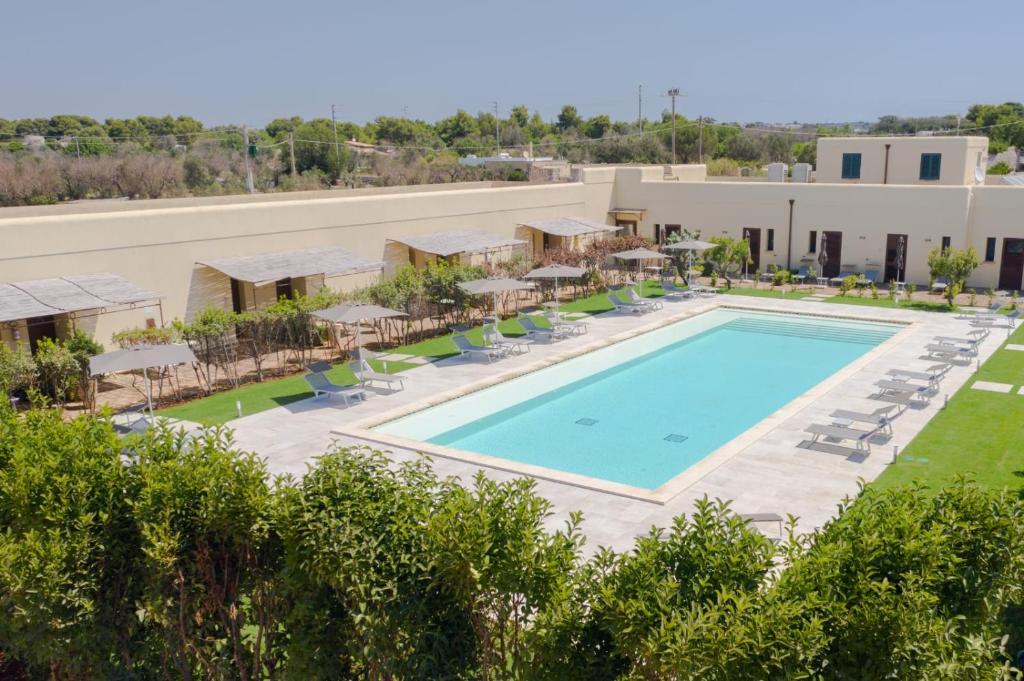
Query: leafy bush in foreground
x=164, y=557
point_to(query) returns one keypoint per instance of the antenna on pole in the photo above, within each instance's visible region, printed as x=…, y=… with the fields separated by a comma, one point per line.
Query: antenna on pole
x=249, y=186
x=497, y=128
x=673, y=93
x=337, y=149
x=640, y=106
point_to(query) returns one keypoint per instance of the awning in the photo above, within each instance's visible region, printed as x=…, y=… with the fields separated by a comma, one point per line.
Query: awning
x=450, y=243
x=628, y=213
x=570, y=226
x=44, y=297
x=271, y=267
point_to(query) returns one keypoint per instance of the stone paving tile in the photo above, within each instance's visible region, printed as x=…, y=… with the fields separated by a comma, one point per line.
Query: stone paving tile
x=771, y=474
x=992, y=387
x=1015, y=346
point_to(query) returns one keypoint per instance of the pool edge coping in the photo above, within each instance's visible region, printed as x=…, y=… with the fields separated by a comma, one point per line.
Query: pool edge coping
x=674, y=486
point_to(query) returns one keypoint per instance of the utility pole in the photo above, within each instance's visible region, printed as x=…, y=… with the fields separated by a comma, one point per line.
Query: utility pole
x=700, y=139
x=291, y=149
x=640, y=107
x=673, y=93
x=337, y=149
x=249, y=186
x=78, y=149
x=497, y=129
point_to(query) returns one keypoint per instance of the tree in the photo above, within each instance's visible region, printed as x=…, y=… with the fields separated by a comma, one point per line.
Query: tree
x=727, y=256
x=316, y=147
x=743, y=147
x=955, y=265
x=457, y=127
x=17, y=370
x=596, y=127
x=568, y=119
x=519, y=115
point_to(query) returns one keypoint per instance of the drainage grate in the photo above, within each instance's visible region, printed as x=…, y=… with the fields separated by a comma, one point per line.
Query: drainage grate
x=586, y=421
x=675, y=438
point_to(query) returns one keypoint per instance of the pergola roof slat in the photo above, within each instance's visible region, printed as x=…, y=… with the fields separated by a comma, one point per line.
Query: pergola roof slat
x=271, y=267
x=73, y=293
x=451, y=243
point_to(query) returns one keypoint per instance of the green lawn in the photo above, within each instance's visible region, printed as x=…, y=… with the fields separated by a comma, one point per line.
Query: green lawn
x=980, y=434
x=883, y=301
x=765, y=293
x=256, y=397
x=598, y=303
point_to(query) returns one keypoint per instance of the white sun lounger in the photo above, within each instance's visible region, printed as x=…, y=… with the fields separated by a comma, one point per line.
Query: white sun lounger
x=634, y=308
x=933, y=375
x=879, y=418
x=990, y=311
x=322, y=385
x=366, y=374
x=860, y=438
x=635, y=299
x=950, y=349
x=490, y=352
x=992, y=321
x=573, y=326
x=673, y=292
x=552, y=334
x=952, y=340
x=903, y=392
x=494, y=336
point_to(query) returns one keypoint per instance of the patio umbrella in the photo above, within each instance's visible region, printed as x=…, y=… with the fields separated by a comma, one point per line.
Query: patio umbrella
x=141, y=357
x=639, y=255
x=690, y=245
x=356, y=313
x=899, y=257
x=556, y=272
x=822, y=256
x=479, y=287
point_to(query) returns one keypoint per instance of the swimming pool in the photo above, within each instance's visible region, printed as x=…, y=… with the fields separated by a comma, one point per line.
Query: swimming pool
x=642, y=411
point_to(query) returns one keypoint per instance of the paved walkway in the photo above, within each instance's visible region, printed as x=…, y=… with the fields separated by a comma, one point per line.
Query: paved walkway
x=775, y=473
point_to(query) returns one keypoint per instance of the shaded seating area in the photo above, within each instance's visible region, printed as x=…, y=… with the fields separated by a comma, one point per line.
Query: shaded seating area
x=468, y=247
x=568, y=232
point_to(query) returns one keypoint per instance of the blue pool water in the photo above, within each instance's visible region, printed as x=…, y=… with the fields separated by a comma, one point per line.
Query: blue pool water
x=643, y=421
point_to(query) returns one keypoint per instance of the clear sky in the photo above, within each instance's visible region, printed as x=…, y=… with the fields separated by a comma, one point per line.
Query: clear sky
x=224, y=61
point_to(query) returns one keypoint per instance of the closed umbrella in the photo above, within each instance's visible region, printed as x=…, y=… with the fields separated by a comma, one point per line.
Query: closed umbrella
x=556, y=272
x=479, y=287
x=639, y=255
x=356, y=313
x=822, y=256
x=141, y=357
x=690, y=245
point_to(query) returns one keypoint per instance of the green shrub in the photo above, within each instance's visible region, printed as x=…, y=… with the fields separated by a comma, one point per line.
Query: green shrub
x=1000, y=168
x=847, y=284
x=17, y=370
x=58, y=368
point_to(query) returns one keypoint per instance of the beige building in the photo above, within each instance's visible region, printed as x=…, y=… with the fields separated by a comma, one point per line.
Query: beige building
x=244, y=251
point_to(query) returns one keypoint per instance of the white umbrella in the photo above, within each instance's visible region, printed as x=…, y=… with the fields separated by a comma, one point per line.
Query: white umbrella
x=690, y=245
x=479, y=287
x=356, y=313
x=141, y=357
x=639, y=255
x=556, y=272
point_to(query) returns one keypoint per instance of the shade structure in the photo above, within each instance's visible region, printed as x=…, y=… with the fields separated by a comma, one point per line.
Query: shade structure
x=447, y=244
x=569, y=227
x=270, y=267
x=556, y=272
x=822, y=255
x=68, y=294
x=141, y=357
x=638, y=255
x=690, y=246
x=357, y=313
x=479, y=287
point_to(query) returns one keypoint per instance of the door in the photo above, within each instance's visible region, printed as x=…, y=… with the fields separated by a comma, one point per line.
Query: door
x=753, y=235
x=834, y=250
x=895, y=268
x=1011, y=268
x=39, y=328
x=626, y=227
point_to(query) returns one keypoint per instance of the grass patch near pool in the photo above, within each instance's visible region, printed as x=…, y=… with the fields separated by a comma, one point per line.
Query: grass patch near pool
x=883, y=301
x=256, y=397
x=980, y=434
x=765, y=293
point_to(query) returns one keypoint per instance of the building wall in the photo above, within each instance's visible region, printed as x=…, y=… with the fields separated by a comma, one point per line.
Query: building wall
x=158, y=247
x=960, y=157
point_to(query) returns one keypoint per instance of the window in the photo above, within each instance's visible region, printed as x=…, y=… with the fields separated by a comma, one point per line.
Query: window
x=812, y=243
x=931, y=165
x=284, y=288
x=771, y=240
x=990, y=249
x=851, y=166
x=946, y=243
x=672, y=229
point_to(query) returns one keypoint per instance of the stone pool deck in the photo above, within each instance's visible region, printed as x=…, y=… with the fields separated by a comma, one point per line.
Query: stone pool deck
x=770, y=469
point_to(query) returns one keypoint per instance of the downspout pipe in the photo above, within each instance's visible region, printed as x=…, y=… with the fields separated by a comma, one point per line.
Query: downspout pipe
x=789, y=241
